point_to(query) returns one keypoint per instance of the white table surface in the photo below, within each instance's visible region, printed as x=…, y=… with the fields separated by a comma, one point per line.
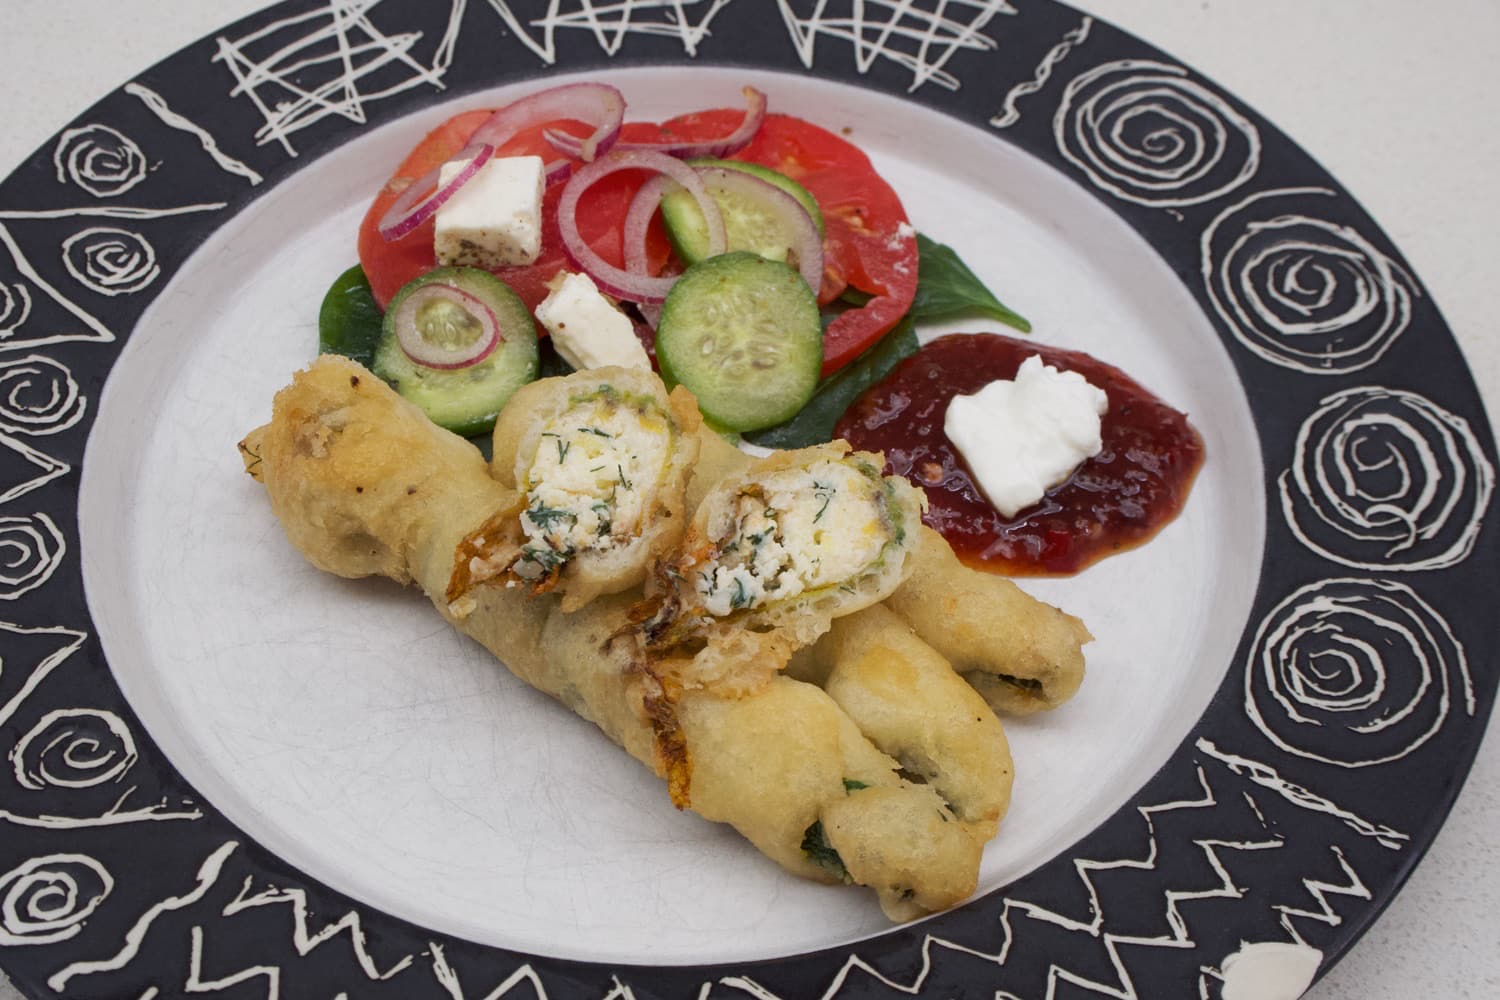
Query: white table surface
x=1395, y=99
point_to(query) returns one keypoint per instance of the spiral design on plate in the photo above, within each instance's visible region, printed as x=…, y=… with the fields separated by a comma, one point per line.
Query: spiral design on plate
x=1299, y=290
x=1384, y=479
x=38, y=396
x=47, y=899
x=1144, y=132
x=1355, y=673
x=31, y=548
x=100, y=160
x=15, y=306
x=74, y=748
x=111, y=261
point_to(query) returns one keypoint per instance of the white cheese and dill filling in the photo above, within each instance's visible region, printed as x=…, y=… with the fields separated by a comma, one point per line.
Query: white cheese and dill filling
x=595, y=467
x=794, y=531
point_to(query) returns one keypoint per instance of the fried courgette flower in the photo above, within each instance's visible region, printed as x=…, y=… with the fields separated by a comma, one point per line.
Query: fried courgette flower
x=776, y=552
x=599, y=462
x=365, y=485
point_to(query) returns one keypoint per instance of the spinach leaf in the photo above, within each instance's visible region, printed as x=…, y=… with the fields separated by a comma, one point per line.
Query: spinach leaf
x=349, y=321
x=814, y=423
x=946, y=287
x=815, y=845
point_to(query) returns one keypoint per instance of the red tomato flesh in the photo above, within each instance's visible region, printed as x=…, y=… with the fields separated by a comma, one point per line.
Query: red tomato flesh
x=867, y=243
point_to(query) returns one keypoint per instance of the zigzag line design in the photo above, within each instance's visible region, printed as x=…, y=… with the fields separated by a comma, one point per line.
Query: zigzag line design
x=448, y=979
x=197, y=984
x=1321, y=891
x=304, y=941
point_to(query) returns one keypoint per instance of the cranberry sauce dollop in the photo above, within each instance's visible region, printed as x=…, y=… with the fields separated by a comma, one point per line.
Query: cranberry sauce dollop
x=1114, y=501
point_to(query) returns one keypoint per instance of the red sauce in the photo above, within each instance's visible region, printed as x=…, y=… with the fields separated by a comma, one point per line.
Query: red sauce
x=1114, y=501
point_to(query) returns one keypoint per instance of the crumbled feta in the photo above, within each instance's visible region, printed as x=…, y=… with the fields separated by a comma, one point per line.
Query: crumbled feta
x=586, y=328
x=589, y=480
x=1021, y=438
x=495, y=219
x=802, y=530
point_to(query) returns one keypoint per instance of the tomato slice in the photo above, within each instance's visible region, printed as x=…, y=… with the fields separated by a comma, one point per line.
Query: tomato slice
x=601, y=214
x=867, y=242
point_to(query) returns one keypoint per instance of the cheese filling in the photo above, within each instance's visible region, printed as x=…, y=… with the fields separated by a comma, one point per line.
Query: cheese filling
x=794, y=531
x=590, y=479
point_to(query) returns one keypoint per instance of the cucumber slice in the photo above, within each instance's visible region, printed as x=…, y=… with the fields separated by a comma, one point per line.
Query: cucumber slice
x=745, y=227
x=349, y=321
x=464, y=400
x=743, y=333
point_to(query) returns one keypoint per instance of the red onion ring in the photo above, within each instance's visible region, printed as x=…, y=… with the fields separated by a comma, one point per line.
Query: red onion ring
x=596, y=104
x=430, y=355
x=807, y=247
x=415, y=207
x=755, y=114
x=638, y=221
x=612, y=280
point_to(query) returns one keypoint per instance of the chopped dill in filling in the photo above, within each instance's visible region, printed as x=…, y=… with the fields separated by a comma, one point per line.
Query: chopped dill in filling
x=590, y=479
x=794, y=531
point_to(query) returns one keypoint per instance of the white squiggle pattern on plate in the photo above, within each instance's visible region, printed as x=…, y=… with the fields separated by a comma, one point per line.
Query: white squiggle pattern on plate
x=611, y=22
x=15, y=307
x=195, y=982
x=110, y=211
x=48, y=899
x=74, y=748
x=159, y=107
x=1010, y=112
x=1267, y=776
x=101, y=160
x=331, y=61
x=1384, y=479
x=38, y=396
x=1352, y=886
x=71, y=640
x=31, y=549
x=208, y=874
x=1354, y=673
x=1145, y=133
x=10, y=341
x=447, y=978
x=110, y=261
x=51, y=468
x=920, y=41
x=303, y=939
x=1299, y=290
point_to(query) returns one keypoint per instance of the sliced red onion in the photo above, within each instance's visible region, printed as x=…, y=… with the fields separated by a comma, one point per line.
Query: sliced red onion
x=612, y=280
x=755, y=114
x=806, y=251
x=638, y=221
x=596, y=104
x=415, y=207
x=435, y=354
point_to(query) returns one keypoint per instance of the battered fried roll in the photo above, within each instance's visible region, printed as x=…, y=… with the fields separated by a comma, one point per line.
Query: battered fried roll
x=599, y=461
x=909, y=702
x=1022, y=655
x=365, y=485
x=774, y=554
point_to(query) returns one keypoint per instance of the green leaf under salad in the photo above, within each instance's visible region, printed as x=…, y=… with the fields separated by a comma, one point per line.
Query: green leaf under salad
x=349, y=321
x=814, y=423
x=946, y=287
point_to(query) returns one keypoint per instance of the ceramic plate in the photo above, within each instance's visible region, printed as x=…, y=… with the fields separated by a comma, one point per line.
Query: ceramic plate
x=226, y=766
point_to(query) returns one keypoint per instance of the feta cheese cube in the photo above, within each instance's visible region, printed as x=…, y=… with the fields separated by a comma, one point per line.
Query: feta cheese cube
x=586, y=328
x=494, y=220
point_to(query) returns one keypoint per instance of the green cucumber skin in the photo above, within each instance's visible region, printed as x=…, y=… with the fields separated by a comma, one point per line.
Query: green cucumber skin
x=735, y=301
x=684, y=222
x=465, y=400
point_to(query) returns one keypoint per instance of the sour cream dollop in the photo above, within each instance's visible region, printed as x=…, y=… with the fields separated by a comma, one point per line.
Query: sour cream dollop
x=1020, y=437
